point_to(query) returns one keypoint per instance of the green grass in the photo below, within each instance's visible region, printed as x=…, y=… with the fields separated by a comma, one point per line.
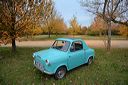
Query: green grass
x=85, y=37
x=107, y=69
x=42, y=37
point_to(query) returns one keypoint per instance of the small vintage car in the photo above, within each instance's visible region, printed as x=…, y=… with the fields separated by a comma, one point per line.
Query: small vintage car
x=64, y=55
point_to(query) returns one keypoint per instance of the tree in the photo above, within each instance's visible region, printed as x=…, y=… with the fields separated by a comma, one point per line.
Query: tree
x=55, y=25
x=33, y=29
x=110, y=11
x=123, y=30
x=59, y=25
x=47, y=26
x=75, y=28
x=17, y=16
x=84, y=30
x=98, y=26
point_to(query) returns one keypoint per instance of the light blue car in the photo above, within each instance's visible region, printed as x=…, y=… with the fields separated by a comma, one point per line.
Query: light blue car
x=64, y=55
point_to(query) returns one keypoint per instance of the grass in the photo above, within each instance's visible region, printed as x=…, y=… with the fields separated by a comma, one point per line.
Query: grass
x=107, y=69
x=85, y=37
x=42, y=37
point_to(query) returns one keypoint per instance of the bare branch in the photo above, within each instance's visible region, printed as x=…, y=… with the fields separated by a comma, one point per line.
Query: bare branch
x=105, y=4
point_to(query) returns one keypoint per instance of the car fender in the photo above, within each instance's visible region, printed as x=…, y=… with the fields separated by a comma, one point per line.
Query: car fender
x=89, y=53
x=60, y=62
x=60, y=66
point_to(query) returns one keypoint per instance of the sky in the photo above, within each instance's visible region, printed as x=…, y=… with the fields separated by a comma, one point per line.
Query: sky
x=69, y=8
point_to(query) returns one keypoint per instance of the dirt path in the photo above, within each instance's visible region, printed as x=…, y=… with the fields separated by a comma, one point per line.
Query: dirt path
x=91, y=43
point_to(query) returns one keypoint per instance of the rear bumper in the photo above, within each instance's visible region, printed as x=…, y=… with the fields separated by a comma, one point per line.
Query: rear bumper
x=42, y=69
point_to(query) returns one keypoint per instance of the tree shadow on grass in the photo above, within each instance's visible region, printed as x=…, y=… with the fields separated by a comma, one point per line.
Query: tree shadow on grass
x=77, y=68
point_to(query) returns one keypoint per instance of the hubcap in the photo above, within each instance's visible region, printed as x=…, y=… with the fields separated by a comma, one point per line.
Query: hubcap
x=61, y=73
x=90, y=60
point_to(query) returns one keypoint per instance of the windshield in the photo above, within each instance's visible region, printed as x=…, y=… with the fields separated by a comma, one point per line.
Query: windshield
x=61, y=45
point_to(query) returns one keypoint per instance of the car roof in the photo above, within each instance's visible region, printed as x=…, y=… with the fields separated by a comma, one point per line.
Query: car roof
x=69, y=39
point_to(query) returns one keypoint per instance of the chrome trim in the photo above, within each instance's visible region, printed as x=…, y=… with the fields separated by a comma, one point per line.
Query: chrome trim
x=42, y=70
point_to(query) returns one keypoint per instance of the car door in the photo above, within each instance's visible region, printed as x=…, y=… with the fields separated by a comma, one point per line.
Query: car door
x=76, y=55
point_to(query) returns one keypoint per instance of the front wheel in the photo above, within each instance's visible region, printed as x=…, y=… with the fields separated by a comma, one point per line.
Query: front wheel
x=60, y=73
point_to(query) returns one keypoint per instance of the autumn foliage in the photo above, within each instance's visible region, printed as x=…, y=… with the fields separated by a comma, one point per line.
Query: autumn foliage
x=74, y=28
x=55, y=25
x=22, y=17
x=123, y=30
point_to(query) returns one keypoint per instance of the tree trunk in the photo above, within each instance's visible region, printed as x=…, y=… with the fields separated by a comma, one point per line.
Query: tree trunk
x=109, y=36
x=13, y=45
x=49, y=34
x=100, y=33
x=56, y=33
x=13, y=32
x=127, y=34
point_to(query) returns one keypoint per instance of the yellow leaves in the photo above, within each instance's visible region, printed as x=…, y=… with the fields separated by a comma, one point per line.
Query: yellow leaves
x=75, y=28
x=5, y=38
x=98, y=24
x=20, y=18
x=37, y=30
x=98, y=27
x=123, y=30
x=55, y=25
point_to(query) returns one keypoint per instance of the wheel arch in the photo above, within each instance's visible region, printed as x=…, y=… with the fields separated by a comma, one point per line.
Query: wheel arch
x=62, y=65
x=91, y=56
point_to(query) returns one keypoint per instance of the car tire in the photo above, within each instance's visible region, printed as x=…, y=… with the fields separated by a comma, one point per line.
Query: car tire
x=90, y=60
x=60, y=73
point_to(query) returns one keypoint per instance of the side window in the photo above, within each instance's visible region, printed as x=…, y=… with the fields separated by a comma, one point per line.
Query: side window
x=76, y=46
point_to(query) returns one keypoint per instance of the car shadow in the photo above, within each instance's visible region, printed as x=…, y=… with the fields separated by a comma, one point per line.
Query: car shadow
x=41, y=75
x=76, y=68
x=44, y=76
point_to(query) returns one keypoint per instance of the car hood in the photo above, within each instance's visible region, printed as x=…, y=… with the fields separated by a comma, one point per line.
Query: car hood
x=49, y=54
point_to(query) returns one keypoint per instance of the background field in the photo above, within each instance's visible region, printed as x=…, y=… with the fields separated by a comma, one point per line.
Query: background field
x=107, y=69
x=85, y=37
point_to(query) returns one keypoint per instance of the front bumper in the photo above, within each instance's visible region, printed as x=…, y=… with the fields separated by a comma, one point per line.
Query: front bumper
x=41, y=68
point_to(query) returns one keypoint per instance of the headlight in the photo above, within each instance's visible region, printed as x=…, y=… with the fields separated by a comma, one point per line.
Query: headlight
x=47, y=62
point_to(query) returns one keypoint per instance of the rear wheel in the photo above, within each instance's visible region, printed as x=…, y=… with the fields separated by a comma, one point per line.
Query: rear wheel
x=90, y=60
x=60, y=73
